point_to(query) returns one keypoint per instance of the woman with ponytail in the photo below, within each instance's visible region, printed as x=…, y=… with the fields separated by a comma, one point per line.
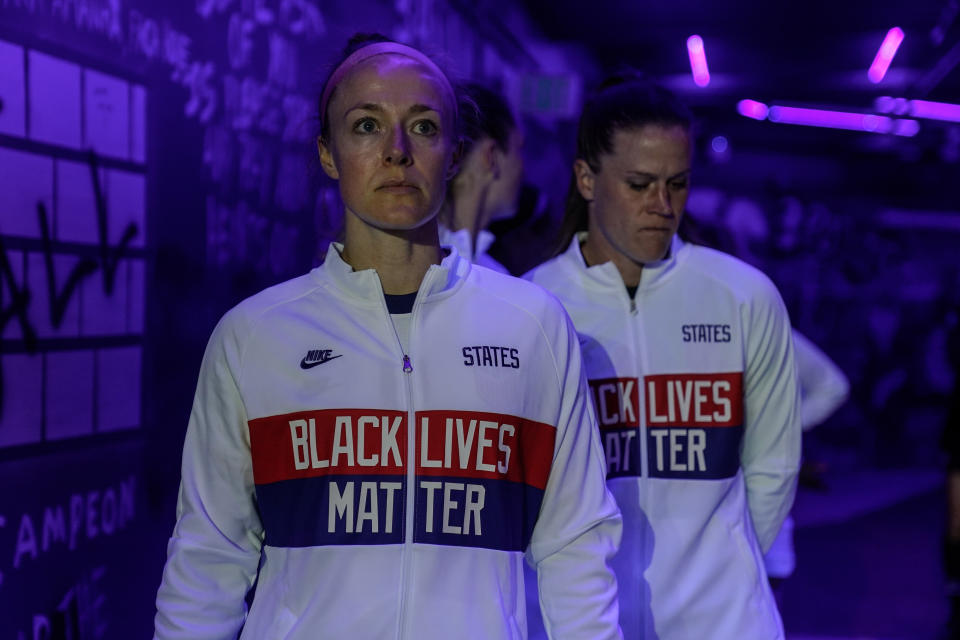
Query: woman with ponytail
x=689, y=359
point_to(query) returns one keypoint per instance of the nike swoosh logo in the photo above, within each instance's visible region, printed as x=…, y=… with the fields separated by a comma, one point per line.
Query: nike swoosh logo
x=310, y=365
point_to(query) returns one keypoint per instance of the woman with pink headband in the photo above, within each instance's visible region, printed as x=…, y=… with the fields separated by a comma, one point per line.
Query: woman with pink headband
x=377, y=445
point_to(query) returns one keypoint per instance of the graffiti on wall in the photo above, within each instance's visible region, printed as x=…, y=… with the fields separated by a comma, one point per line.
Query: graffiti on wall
x=66, y=556
x=246, y=94
x=81, y=518
x=79, y=614
x=18, y=296
x=256, y=145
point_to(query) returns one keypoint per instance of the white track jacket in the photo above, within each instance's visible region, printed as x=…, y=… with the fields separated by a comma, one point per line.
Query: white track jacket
x=696, y=394
x=381, y=503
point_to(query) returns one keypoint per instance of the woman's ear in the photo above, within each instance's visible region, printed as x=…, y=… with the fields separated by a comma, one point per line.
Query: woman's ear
x=326, y=159
x=493, y=156
x=455, y=159
x=585, y=178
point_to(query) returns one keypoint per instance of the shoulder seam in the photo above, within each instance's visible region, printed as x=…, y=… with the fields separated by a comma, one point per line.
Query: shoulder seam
x=256, y=321
x=536, y=319
x=726, y=284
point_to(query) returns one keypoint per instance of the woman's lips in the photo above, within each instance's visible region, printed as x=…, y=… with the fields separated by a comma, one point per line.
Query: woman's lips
x=398, y=187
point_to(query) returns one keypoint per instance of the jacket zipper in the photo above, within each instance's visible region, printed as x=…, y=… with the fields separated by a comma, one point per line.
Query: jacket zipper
x=636, y=330
x=407, y=368
x=638, y=333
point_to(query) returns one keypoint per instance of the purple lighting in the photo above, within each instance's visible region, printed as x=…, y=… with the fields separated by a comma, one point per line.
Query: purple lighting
x=884, y=104
x=905, y=127
x=945, y=111
x=935, y=110
x=885, y=55
x=752, y=109
x=888, y=104
x=830, y=119
x=698, y=61
x=843, y=120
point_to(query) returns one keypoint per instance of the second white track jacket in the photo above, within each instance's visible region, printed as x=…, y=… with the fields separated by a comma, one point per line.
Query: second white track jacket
x=384, y=501
x=696, y=393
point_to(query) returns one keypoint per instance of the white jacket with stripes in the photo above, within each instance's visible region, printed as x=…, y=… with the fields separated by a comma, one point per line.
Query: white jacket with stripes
x=380, y=500
x=696, y=393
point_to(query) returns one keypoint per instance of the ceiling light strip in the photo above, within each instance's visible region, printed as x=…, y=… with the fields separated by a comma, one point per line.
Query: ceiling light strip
x=698, y=61
x=885, y=55
x=829, y=119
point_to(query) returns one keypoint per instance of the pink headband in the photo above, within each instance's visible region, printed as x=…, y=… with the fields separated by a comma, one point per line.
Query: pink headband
x=377, y=49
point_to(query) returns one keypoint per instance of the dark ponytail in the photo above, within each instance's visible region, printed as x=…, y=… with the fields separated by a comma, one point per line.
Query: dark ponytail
x=626, y=100
x=575, y=216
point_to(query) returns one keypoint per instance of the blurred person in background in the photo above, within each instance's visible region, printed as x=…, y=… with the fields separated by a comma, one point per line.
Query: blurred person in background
x=823, y=389
x=689, y=357
x=488, y=181
x=319, y=461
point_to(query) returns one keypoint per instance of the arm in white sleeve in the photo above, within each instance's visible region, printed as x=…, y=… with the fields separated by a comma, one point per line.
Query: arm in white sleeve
x=823, y=386
x=213, y=555
x=770, y=456
x=579, y=526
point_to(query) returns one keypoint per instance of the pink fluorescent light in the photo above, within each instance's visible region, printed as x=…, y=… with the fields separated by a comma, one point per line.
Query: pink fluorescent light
x=835, y=119
x=888, y=104
x=698, y=61
x=830, y=119
x=935, y=110
x=885, y=55
x=843, y=120
x=884, y=104
x=752, y=109
x=906, y=127
x=945, y=111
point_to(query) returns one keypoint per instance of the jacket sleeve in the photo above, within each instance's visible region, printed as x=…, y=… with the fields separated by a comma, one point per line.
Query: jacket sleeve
x=770, y=456
x=579, y=526
x=214, y=552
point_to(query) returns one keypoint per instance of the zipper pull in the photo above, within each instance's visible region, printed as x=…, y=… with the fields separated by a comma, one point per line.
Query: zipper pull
x=407, y=367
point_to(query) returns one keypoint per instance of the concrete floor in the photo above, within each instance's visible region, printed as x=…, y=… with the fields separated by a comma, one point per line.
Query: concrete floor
x=868, y=559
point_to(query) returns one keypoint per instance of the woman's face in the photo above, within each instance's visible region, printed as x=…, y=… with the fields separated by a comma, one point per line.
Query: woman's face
x=502, y=198
x=391, y=143
x=638, y=195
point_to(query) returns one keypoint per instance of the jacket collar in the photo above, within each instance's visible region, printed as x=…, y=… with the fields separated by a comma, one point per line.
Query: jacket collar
x=440, y=280
x=606, y=275
x=463, y=241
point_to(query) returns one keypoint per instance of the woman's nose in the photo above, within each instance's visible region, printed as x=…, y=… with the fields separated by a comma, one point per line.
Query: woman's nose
x=662, y=204
x=397, y=151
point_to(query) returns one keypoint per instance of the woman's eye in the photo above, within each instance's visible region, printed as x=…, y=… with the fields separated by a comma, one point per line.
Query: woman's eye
x=638, y=186
x=425, y=127
x=679, y=185
x=365, y=125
